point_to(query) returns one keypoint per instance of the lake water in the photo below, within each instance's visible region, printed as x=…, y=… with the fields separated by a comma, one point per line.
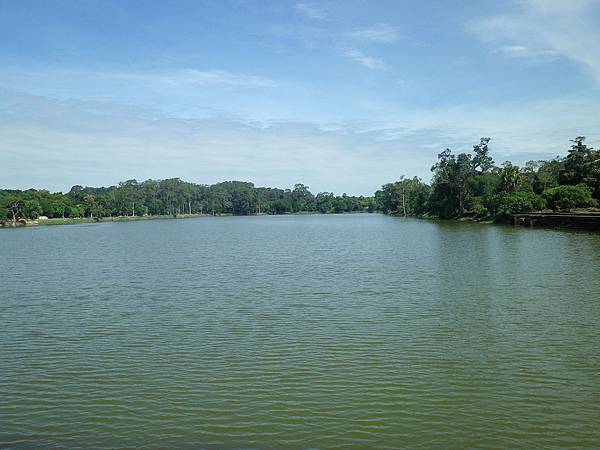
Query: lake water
x=299, y=332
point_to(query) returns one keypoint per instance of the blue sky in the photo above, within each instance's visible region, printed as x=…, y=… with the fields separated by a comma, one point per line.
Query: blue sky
x=340, y=95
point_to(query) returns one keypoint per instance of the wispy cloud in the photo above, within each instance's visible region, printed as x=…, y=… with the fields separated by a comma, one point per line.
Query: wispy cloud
x=184, y=77
x=539, y=28
x=99, y=143
x=523, y=51
x=380, y=33
x=310, y=36
x=309, y=10
x=95, y=143
x=197, y=77
x=365, y=60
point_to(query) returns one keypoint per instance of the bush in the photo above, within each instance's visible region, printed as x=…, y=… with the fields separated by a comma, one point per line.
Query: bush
x=568, y=197
x=519, y=202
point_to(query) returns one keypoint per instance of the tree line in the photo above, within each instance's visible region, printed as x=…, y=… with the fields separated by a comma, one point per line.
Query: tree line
x=465, y=184
x=174, y=197
x=471, y=184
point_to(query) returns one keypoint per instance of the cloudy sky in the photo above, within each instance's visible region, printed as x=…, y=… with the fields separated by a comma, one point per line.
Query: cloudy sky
x=340, y=95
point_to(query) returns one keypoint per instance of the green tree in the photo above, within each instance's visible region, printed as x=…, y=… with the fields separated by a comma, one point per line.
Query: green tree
x=76, y=210
x=90, y=204
x=510, y=177
x=407, y=197
x=31, y=208
x=450, y=189
x=482, y=161
x=542, y=175
x=301, y=198
x=576, y=165
x=13, y=206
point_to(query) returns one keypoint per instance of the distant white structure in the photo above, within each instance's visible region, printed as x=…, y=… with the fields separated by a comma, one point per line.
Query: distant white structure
x=42, y=218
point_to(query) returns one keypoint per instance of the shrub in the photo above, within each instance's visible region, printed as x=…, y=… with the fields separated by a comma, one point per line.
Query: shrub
x=519, y=202
x=567, y=197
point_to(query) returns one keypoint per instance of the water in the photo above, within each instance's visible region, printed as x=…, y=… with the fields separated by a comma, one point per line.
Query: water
x=299, y=332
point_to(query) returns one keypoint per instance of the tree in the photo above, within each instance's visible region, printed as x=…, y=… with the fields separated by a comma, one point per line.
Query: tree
x=592, y=175
x=450, y=189
x=60, y=208
x=91, y=205
x=482, y=161
x=325, y=202
x=243, y=201
x=302, y=199
x=31, y=208
x=76, y=189
x=281, y=206
x=576, y=165
x=127, y=195
x=510, y=177
x=407, y=197
x=541, y=175
x=76, y=211
x=13, y=205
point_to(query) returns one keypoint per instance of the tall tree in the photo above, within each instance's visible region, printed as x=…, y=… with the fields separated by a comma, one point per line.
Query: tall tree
x=482, y=161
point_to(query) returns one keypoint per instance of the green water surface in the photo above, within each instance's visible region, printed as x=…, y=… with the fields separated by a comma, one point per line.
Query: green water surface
x=355, y=331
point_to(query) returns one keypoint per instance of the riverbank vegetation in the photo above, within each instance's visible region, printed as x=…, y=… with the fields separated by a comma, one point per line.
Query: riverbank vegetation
x=468, y=184
x=472, y=185
x=172, y=197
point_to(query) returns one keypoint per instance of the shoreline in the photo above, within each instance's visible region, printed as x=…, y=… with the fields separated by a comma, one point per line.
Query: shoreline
x=548, y=219
x=573, y=220
x=80, y=220
x=23, y=223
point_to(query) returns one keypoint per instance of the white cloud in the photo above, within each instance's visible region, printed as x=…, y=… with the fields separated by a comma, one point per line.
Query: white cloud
x=163, y=78
x=522, y=51
x=566, y=28
x=48, y=143
x=365, y=60
x=92, y=143
x=381, y=33
x=310, y=11
x=310, y=36
x=557, y=7
x=196, y=77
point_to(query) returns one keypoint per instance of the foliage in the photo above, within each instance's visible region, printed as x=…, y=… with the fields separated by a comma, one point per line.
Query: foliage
x=519, y=202
x=173, y=197
x=569, y=197
x=469, y=184
x=465, y=184
x=456, y=179
x=406, y=197
x=510, y=177
x=541, y=175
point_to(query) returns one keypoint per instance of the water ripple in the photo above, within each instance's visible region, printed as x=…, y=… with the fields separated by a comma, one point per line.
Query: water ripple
x=352, y=331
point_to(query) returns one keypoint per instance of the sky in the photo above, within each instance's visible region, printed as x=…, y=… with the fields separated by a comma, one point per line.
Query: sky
x=342, y=96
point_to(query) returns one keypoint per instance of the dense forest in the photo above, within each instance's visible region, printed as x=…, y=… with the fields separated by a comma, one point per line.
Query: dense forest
x=174, y=197
x=471, y=185
x=463, y=185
